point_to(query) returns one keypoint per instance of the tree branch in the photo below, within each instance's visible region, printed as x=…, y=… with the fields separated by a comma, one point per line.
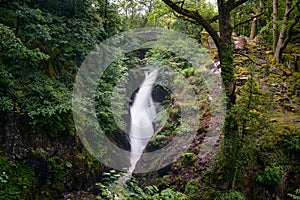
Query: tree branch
x=242, y=54
x=180, y=9
x=198, y=18
x=213, y=19
x=283, y=39
x=237, y=4
x=248, y=20
x=293, y=7
x=185, y=18
x=290, y=33
x=290, y=30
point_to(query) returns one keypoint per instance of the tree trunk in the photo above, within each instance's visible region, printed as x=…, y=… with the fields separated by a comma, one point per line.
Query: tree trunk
x=275, y=31
x=287, y=34
x=282, y=36
x=255, y=20
x=230, y=127
x=226, y=52
x=253, y=28
x=224, y=45
x=279, y=47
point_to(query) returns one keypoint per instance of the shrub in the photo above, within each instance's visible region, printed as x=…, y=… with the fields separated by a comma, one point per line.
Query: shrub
x=232, y=195
x=113, y=189
x=16, y=180
x=295, y=196
x=271, y=176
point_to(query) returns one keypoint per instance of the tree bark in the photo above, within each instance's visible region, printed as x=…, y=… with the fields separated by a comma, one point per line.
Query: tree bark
x=253, y=28
x=282, y=36
x=255, y=20
x=225, y=51
x=275, y=31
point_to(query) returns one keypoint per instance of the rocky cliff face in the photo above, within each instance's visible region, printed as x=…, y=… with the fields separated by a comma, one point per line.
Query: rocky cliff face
x=59, y=163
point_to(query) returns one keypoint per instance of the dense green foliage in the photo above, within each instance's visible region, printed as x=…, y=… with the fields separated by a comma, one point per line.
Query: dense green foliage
x=263, y=11
x=295, y=196
x=16, y=180
x=113, y=189
x=42, y=45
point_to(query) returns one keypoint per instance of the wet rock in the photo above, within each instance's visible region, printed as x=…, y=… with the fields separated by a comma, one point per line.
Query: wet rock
x=40, y=168
x=13, y=147
x=79, y=195
x=20, y=144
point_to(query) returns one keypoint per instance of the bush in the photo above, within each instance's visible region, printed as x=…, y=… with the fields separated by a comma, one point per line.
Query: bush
x=113, y=189
x=192, y=189
x=295, y=196
x=169, y=194
x=232, y=195
x=16, y=180
x=271, y=176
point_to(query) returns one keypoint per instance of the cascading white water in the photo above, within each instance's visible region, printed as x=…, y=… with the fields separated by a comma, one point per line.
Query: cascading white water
x=142, y=114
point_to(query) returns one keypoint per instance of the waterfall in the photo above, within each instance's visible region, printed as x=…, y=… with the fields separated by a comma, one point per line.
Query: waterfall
x=142, y=114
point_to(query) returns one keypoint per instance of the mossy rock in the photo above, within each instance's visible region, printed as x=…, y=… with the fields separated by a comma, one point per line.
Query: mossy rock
x=286, y=70
x=241, y=70
x=189, y=157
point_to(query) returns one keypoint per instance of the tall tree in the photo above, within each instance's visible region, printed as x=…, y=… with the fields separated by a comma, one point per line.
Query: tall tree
x=255, y=19
x=275, y=30
x=286, y=33
x=223, y=42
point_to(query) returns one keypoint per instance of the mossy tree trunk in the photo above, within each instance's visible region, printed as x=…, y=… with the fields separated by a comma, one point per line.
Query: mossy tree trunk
x=230, y=128
x=225, y=51
x=223, y=40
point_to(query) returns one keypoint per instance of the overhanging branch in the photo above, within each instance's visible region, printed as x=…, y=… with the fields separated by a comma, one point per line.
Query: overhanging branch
x=248, y=20
x=237, y=4
x=293, y=7
x=214, y=18
x=185, y=18
x=250, y=59
x=198, y=18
